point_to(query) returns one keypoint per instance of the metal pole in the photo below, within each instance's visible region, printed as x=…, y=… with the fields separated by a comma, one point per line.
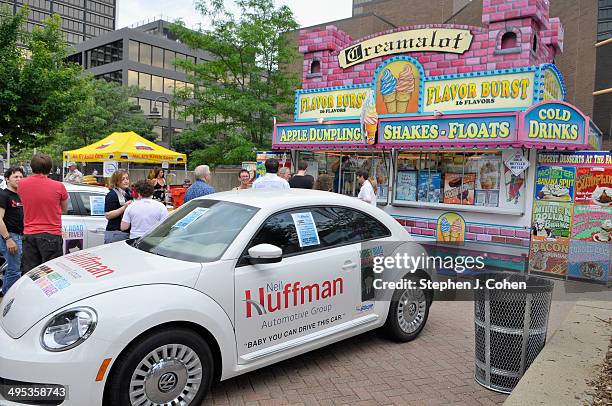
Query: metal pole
x=170, y=125
x=8, y=154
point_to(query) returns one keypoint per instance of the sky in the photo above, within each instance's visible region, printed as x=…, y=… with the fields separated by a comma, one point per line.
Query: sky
x=306, y=12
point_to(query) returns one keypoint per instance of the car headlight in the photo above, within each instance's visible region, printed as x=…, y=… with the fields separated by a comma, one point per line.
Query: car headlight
x=68, y=329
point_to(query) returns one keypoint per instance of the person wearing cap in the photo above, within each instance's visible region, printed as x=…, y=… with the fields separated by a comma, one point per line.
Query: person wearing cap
x=73, y=175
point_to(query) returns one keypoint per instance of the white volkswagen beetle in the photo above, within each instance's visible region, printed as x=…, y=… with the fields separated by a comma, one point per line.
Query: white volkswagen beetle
x=225, y=285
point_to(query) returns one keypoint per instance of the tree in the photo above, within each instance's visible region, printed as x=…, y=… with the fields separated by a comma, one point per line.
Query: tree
x=105, y=108
x=239, y=91
x=234, y=149
x=40, y=89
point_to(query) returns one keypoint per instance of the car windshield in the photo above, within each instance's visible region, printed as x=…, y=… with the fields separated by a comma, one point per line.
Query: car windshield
x=200, y=231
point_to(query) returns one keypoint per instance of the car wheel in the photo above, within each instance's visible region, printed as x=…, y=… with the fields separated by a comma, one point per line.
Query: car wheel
x=173, y=367
x=407, y=314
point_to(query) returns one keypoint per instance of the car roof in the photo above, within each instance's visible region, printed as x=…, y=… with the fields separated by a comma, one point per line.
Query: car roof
x=275, y=199
x=84, y=187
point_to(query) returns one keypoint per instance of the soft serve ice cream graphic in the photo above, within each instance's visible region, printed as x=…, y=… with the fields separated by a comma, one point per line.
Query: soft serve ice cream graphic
x=445, y=228
x=605, y=235
x=369, y=118
x=405, y=88
x=388, y=86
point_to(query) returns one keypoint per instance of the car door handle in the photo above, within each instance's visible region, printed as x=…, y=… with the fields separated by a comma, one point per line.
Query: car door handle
x=349, y=265
x=100, y=230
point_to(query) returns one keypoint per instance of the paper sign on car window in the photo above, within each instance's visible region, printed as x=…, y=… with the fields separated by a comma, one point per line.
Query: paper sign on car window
x=96, y=205
x=306, y=229
x=190, y=218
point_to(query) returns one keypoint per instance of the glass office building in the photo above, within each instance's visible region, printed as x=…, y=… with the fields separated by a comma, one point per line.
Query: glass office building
x=143, y=57
x=81, y=19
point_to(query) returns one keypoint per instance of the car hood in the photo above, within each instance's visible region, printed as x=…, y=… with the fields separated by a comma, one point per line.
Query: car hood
x=86, y=273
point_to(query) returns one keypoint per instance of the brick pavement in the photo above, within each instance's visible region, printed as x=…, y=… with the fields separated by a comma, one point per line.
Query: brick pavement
x=435, y=369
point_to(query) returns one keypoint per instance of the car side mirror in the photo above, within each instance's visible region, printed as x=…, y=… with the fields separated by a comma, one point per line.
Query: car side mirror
x=265, y=254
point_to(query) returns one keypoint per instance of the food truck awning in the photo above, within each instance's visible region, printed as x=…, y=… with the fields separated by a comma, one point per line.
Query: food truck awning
x=551, y=125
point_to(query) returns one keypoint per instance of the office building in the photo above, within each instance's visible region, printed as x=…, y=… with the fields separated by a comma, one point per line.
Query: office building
x=81, y=19
x=143, y=56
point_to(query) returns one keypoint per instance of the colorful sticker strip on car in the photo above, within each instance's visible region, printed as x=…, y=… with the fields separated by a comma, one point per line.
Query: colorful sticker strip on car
x=48, y=279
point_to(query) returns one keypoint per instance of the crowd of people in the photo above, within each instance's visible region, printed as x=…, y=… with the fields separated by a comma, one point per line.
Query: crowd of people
x=31, y=207
x=280, y=178
x=31, y=211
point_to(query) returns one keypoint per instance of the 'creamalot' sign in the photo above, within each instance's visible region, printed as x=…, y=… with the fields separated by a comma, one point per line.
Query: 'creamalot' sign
x=426, y=39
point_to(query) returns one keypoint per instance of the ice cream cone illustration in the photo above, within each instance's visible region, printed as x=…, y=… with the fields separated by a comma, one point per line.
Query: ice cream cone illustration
x=388, y=84
x=445, y=229
x=455, y=231
x=369, y=118
x=371, y=124
x=405, y=88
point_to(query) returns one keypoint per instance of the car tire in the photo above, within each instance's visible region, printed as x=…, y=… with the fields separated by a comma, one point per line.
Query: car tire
x=174, y=366
x=407, y=314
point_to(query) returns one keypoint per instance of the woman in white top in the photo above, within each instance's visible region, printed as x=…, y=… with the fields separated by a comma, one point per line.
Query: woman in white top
x=145, y=213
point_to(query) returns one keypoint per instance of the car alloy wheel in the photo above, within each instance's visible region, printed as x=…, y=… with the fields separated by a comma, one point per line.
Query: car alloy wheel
x=408, y=313
x=411, y=310
x=170, y=374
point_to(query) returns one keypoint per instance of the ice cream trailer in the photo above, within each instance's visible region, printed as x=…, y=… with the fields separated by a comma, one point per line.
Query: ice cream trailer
x=456, y=128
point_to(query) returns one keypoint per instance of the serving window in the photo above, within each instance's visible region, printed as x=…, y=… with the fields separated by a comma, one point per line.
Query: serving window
x=337, y=170
x=465, y=178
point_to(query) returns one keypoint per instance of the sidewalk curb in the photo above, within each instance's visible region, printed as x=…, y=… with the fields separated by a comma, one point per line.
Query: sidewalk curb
x=570, y=357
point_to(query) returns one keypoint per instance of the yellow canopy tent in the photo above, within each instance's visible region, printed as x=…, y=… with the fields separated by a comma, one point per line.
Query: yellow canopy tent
x=125, y=147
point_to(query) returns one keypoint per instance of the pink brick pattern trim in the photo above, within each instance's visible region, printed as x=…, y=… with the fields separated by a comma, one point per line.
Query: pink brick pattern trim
x=474, y=232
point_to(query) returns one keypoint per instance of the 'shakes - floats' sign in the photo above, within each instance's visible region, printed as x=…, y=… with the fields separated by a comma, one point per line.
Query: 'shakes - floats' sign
x=507, y=91
x=329, y=104
x=555, y=122
x=475, y=129
x=336, y=134
x=426, y=39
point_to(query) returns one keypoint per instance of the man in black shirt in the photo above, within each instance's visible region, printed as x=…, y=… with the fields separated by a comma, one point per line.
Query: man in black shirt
x=11, y=227
x=300, y=180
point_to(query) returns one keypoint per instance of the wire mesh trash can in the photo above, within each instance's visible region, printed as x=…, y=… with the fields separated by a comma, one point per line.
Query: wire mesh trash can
x=510, y=328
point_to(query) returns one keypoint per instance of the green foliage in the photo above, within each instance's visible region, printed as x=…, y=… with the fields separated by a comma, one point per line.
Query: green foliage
x=234, y=149
x=106, y=108
x=239, y=91
x=39, y=88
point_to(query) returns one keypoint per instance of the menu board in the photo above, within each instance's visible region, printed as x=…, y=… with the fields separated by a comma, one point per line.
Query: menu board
x=593, y=186
x=429, y=186
x=589, y=260
x=459, y=188
x=551, y=220
x=406, y=186
x=555, y=183
x=549, y=256
x=592, y=223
